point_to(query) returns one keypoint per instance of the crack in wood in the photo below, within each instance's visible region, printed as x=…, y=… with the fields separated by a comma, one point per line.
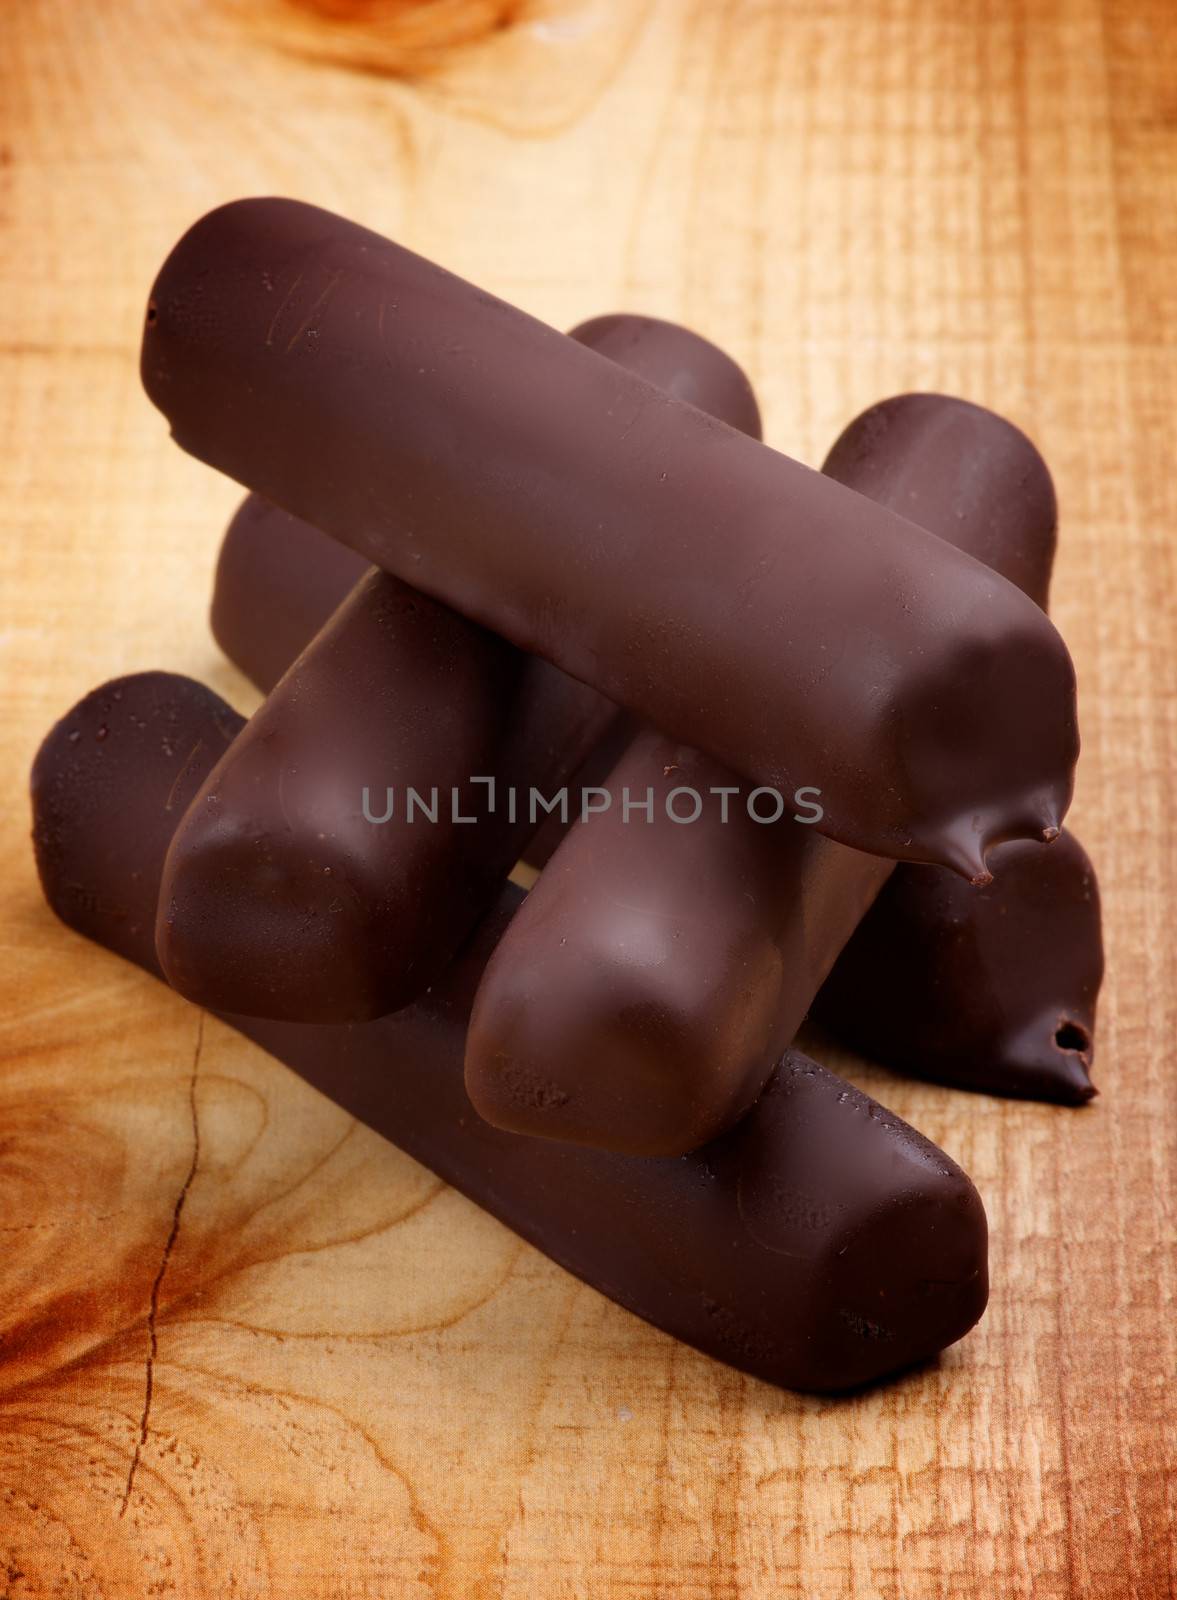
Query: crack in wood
x=161, y=1274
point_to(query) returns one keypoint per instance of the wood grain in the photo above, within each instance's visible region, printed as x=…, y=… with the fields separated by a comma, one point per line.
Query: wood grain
x=245, y=1347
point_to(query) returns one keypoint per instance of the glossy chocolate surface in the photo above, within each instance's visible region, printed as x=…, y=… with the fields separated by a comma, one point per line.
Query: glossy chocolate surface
x=821, y=1245
x=274, y=591
x=278, y=580
x=800, y=633
x=286, y=894
x=659, y=968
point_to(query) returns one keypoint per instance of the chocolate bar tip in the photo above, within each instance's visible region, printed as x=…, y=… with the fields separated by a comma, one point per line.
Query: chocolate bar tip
x=1072, y=1049
x=1049, y=1061
x=964, y=853
x=969, y=845
x=1062, y=1077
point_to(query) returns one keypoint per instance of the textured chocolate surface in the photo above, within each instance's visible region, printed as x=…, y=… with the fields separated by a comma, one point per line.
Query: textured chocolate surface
x=657, y=971
x=992, y=988
x=821, y=1245
x=798, y=632
x=281, y=896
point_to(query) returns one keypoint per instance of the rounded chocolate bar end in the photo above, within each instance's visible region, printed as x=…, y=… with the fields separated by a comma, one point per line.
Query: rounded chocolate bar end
x=617, y=1037
x=91, y=835
x=282, y=894
x=895, y=1262
x=682, y=363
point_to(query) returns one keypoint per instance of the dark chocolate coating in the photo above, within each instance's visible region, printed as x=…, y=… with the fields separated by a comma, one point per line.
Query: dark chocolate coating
x=821, y=1245
x=658, y=970
x=800, y=633
x=278, y=580
x=274, y=571
x=963, y=473
x=592, y=774
x=280, y=897
x=992, y=988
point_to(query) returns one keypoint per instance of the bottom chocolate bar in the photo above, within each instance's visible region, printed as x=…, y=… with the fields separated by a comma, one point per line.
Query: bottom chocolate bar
x=821, y=1244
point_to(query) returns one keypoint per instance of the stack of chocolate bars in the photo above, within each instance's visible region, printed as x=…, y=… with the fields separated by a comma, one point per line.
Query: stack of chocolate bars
x=784, y=744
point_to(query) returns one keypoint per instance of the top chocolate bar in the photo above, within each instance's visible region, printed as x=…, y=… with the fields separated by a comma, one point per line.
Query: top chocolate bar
x=793, y=629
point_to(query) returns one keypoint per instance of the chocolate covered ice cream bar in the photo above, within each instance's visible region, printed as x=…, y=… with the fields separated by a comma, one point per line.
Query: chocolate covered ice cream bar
x=799, y=633
x=821, y=1245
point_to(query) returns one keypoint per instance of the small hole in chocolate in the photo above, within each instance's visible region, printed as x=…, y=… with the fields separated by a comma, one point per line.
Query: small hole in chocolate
x=151, y=314
x=1070, y=1036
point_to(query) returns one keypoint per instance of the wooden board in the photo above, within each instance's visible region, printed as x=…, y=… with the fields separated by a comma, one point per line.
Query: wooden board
x=245, y=1347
